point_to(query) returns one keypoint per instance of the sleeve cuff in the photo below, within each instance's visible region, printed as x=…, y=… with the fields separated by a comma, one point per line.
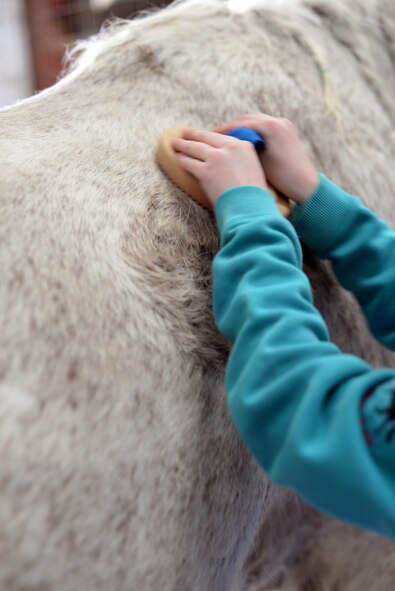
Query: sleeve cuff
x=376, y=417
x=248, y=200
x=325, y=216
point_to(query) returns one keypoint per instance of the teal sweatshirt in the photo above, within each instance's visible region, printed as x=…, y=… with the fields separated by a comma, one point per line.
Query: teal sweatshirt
x=319, y=421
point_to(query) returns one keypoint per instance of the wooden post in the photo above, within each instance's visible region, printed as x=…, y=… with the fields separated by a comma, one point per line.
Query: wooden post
x=55, y=24
x=48, y=41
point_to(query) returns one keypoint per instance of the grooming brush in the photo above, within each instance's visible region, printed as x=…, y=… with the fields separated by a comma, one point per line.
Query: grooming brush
x=167, y=159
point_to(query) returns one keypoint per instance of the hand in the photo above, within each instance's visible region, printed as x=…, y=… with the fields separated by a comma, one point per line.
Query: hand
x=286, y=164
x=219, y=162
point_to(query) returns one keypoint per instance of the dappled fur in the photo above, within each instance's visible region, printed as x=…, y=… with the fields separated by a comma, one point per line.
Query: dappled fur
x=120, y=468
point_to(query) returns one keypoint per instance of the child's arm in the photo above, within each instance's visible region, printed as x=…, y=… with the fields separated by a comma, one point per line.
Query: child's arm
x=319, y=421
x=361, y=247
x=333, y=223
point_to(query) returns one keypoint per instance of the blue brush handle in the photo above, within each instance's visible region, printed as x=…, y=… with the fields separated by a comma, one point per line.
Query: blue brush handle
x=249, y=135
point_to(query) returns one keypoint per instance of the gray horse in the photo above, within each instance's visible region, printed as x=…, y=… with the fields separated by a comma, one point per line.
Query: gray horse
x=120, y=468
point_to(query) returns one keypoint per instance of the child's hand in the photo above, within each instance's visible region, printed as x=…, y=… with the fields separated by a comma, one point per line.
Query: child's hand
x=219, y=162
x=286, y=164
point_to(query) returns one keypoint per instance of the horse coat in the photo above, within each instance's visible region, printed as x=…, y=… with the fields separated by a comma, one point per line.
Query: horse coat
x=120, y=468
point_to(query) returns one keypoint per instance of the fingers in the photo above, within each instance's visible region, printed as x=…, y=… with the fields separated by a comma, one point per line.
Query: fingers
x=211, y=138
x=193, y=149
x=191, y=165
x=261, y=122
x=258, y=121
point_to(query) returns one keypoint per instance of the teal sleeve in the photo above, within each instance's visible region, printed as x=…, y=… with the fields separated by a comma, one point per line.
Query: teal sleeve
x=317, y=420
x=361, y=247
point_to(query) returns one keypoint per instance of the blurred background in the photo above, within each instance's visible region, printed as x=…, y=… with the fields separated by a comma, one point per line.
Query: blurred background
x=35, y=33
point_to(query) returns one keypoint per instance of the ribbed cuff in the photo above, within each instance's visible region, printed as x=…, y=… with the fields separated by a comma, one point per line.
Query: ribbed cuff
x=246, y=200
x=376, y=412
x=325, y=216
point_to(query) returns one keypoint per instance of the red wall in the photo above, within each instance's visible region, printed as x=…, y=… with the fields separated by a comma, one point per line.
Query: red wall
x=48, y=39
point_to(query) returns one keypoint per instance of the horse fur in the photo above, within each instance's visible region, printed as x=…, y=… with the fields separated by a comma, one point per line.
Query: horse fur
x=120, y=467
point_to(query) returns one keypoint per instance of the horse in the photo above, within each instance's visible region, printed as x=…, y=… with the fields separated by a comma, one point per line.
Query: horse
x=120, y=466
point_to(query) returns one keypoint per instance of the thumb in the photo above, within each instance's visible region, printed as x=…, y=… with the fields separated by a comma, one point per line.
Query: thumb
x=221, y=129
x=224, y=128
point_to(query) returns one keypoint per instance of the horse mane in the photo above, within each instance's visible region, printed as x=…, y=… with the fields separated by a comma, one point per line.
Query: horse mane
x=144, y=25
